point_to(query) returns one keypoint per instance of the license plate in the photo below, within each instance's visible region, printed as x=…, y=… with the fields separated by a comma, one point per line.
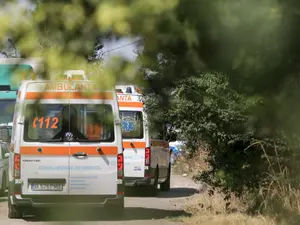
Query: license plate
x=46, y=187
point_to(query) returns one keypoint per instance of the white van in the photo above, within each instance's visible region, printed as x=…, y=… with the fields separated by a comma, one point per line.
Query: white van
x=66, y=151
x=146, y=150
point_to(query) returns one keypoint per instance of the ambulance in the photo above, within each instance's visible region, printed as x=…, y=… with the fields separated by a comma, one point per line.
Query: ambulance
x=146, y=150
x=66, y=147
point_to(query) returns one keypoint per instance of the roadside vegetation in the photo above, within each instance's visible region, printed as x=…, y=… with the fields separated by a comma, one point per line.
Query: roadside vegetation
x=223, y=73
x=211, y=205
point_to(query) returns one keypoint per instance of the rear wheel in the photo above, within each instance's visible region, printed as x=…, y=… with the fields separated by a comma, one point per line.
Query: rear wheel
x=120, y=208
x=152, y=190
x=165, y=186
x=13, y=211
x=116, y=210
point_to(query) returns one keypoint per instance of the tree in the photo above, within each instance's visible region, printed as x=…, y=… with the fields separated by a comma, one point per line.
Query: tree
x=229, y=66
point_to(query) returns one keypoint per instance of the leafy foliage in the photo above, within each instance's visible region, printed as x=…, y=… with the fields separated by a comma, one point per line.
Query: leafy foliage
x=253, y=46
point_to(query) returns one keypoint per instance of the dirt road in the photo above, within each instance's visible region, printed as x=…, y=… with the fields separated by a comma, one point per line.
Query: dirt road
x=160, y=210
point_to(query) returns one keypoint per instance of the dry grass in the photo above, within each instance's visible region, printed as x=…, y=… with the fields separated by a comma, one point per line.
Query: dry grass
x=277, y=200
x=193, y=166
x=232, y=219
x=209, y=209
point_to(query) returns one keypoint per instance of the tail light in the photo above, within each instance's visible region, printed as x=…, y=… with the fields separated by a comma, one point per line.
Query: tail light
x=147, y=156
x=17, y=166
x=120, y=166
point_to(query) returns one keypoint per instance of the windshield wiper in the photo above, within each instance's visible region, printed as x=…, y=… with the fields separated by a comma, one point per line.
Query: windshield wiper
x=51, y=140
x=86, y=140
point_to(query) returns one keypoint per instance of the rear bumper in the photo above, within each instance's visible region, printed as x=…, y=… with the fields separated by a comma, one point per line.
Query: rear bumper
x=31, y=203
x=138, y=181
x=70, y=201
x=148, y=179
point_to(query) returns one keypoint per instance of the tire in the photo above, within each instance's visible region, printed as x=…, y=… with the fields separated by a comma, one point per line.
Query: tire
x=152, y=190
x=116, y=210
x=120, y=209
x=165, y=186
x=13, y=212
x=3, y=185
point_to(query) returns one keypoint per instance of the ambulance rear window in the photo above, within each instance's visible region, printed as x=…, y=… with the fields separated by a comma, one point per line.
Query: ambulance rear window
x=86, y=122
x=132, y=124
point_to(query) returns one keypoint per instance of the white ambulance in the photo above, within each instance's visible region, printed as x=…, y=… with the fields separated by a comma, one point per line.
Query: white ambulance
x=66, y=148
x=146, y=150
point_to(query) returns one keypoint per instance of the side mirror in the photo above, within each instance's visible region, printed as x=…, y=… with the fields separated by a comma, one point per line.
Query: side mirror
x=7, y=155
x=118, y=122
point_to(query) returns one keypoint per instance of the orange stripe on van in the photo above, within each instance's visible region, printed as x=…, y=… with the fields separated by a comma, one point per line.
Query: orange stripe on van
x=67, y=95
x=64, y=150
x=46, y=150
x=135, y=145
x=92, y=150
x=131, y=104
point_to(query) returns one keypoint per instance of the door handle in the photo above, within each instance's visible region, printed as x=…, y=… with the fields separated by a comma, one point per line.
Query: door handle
x=80, y=154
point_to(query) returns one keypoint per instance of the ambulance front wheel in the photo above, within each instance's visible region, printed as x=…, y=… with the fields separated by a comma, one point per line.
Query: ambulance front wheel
x=13, y=211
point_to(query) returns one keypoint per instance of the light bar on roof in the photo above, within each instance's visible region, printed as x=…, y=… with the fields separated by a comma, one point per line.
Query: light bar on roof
x=74, y=74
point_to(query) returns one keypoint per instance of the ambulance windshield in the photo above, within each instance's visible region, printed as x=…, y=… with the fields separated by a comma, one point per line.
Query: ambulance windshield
x=51, y=122
x=132, y=124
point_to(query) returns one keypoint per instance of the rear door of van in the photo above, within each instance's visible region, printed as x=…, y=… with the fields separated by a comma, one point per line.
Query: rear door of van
x=93, y=156
x=133, y=134
x=44, y=167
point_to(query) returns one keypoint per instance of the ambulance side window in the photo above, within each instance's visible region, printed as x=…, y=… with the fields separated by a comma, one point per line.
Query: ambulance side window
x=132, y=124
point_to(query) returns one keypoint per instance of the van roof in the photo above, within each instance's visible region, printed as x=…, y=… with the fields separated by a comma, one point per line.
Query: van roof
x=127, y=89
x=46, y=89
x=25, y=83
x=130, y=100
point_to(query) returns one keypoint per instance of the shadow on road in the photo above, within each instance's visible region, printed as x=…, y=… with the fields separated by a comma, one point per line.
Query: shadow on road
x=177, y=192
x=130, y=213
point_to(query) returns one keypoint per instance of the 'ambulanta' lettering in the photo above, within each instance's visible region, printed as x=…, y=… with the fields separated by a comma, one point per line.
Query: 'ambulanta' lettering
x=70, y=87
x=124, y=98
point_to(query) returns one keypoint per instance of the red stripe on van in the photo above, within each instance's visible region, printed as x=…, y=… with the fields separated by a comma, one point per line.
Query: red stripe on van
x=68, y=95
